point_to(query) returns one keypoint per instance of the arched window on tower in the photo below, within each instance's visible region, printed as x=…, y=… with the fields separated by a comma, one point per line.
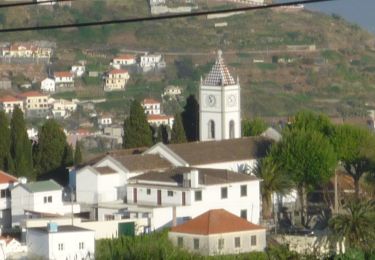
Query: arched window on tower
x=211, y=129
x=231, y=129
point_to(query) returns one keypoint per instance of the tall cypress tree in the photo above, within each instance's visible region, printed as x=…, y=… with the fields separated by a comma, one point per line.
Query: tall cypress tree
x=20, y=146
x=52, y=148
x=4, y=142
x=137, y=132
x=178, y=132
x=78, y=154
x=190, y=119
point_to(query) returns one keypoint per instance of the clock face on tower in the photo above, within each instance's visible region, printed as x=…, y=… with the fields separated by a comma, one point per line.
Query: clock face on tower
x=210, y=100
x=231, y=100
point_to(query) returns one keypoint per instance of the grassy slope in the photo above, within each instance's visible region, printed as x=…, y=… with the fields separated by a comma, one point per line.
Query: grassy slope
x=348, y=75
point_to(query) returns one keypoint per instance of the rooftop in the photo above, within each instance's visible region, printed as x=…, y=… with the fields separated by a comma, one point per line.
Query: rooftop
x=219, y=74
x=198, y=153
x=32, y=94
x=61, y=229
x=118, y=71
x=9, y=99
x=150, y=101
x=7, y=178
x=216, y=221
x=205, y=176
x=105, y=170
x=41, y=186
x=61, y=74
x=124, y=57
x=158, y=117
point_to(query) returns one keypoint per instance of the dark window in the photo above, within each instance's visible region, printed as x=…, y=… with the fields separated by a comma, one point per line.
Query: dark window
x=198, y=195
x=253, y=240
x=170, y=193
x=148, y=191
x=211, y=129
x=224, y=192
x=243, y=190
x=4, y=193
x=231, y=129
x=244, y=214
x=49, y=199
x=220, y=244
x=180, y=241
x=237, y=242
x=45, y=199
x=196, y=243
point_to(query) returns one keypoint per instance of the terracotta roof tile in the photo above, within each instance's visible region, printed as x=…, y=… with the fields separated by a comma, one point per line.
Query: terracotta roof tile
x=118, y=71
x=216, y=221
x=198, y=153
x=63, y=74
x=6, y=178
x=124, y=57
x=219, y=74
x=10, y=99
x=32, y=94
x=158, y=117
x=150, y=101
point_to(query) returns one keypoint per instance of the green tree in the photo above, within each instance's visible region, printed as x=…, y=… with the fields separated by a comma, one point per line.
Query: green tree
x=273, y=181
x=68, y=158
x=137, y=132
x=77, y=154
x=4, y=142
x=190, y=119
x=309, y=121
x=178, y=133
x=308, y=158
x=355, y=148
x=20, y=146
x=253, y=127
x=355, y=227
x=52, y=148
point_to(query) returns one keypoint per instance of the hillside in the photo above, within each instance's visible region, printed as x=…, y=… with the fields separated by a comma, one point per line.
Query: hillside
x=337, y=78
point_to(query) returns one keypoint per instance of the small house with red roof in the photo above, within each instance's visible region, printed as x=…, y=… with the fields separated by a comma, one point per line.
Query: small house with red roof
x=7, y=182
x=8, y=104
x=219, y=232
x=158, y=120
x=116, y=80
x=151, y=106
x=123, y=60
x=64, y=79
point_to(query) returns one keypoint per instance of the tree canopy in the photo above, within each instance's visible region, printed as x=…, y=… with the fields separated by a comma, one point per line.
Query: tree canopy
x=137, y=132
x=78, y=154
x=190, y=119
x=5, y=159
x=178, y=133
x=310, y=121
x=253, y=127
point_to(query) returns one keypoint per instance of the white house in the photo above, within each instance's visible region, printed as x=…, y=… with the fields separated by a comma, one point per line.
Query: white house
x=48, y=85
x=64, y=79
x=151, y=61
x=123, y=60
x=157, y=2
x=60, y=242
x=104, y=120
x=158, y=120
x=239, y=155
x=218, y=232
x=151, y=106
x=116, y=80
x=35, y=103
x=78, y=70
x=11, y=248
x=180, y=193
x=105, y=178
x=7, y=182
x=8, y=103
x=38, y=199
x=62, y=108
x=172, y=91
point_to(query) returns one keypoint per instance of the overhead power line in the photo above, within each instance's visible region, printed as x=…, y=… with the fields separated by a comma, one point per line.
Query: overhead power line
x=160, y=17
x=32, y=3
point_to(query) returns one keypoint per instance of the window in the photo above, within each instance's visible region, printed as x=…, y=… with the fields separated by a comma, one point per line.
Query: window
x=224, y=192
x=81, y=245
x=196, y=243
x=237, y=242
x=61, y=246
x=243, y=190
x=49, y=199
x=244, y=214
x=220, y=243
x=5, y=193
x=211, y=129
x=148, y=191
x=253, y=240
x=180, y=241
x=231, y=129
x=170, y=193
x=198, y=195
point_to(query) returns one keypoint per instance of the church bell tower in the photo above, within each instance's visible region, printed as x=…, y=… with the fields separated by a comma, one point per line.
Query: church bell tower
x=219, y=104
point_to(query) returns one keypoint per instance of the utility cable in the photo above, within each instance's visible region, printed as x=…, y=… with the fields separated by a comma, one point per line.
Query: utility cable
x=33, y=3
x=160, y=17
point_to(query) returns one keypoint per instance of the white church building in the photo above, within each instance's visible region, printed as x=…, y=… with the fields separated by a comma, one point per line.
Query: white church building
x=220, y=106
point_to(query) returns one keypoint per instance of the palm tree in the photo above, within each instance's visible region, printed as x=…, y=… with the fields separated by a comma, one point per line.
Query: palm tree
x=273, y=181
x=355, y=227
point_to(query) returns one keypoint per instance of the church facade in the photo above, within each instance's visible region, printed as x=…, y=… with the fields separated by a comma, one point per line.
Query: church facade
x=220, y=104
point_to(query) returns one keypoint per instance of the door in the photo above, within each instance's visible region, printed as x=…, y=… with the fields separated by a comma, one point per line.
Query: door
x=183, y=198
x=135, y=195
x=159, y=197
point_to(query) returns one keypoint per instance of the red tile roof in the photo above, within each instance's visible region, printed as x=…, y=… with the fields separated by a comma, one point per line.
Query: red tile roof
x=9, y=99
x=6, y=178
x=150, y=101
x=158, y=117
x=62, y=74
x=125, y=57
x=32, y=94
x=216, y=221
x=119, y=71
